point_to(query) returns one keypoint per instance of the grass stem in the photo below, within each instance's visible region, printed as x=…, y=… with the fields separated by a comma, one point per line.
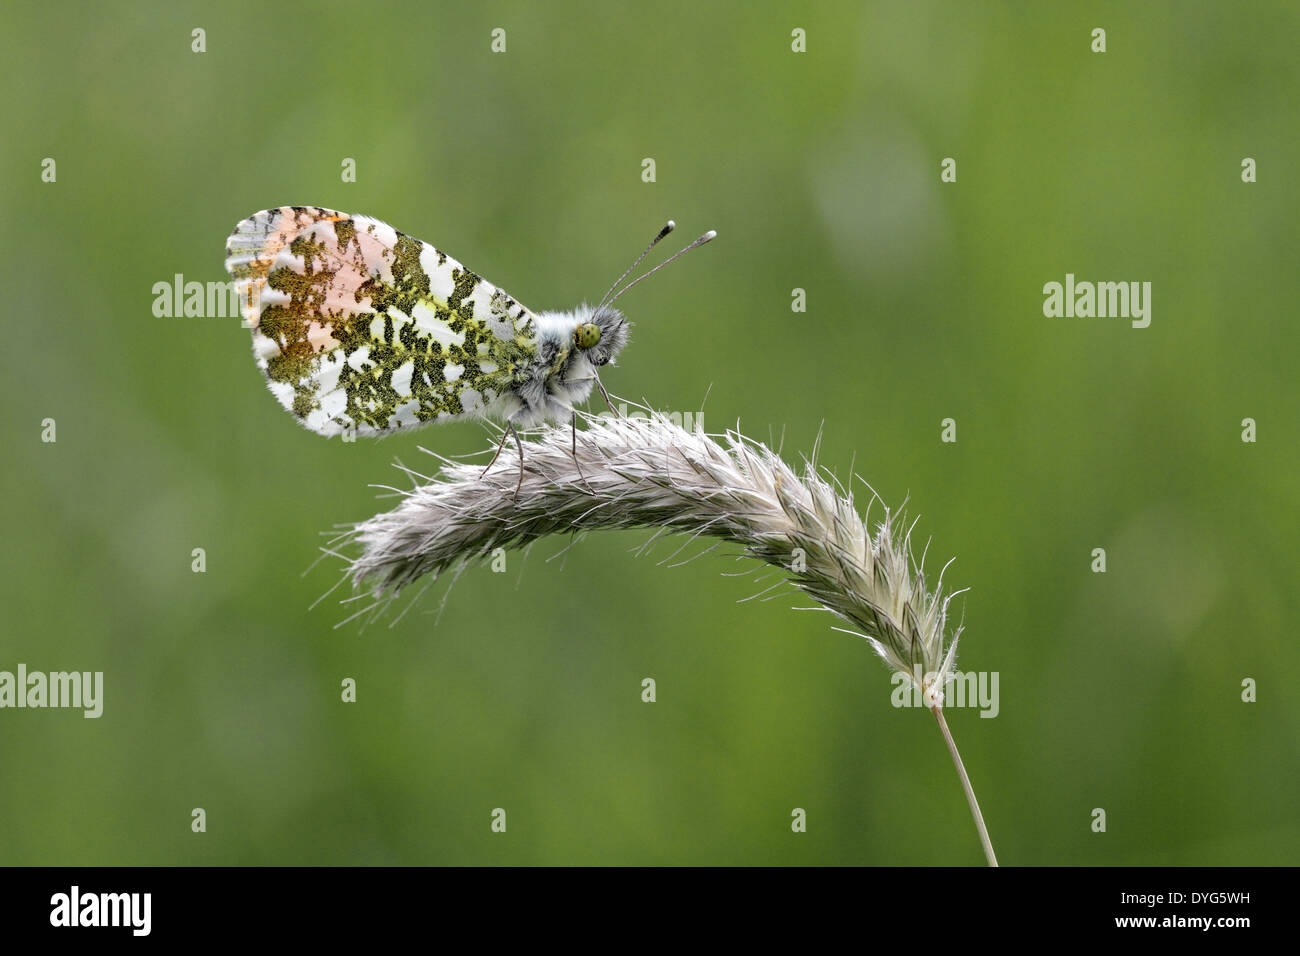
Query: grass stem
x=965, y=783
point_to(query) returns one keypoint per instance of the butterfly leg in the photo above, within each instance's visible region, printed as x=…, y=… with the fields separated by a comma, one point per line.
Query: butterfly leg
x=520, y=445
x=501, y=444
x=600, y=385
x=573, y=431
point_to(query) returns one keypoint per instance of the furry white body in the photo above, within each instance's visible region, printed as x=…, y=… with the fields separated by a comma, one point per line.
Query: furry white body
x=550, y=393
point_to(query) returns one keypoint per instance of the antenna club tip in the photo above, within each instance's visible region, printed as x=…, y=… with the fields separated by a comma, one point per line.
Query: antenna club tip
x=711, y=234
x=669, y=226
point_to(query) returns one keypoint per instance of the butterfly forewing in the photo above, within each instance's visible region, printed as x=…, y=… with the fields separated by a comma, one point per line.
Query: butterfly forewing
x=357, y=325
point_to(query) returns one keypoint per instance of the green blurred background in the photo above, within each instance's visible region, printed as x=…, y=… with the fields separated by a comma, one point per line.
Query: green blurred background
x=820, y=171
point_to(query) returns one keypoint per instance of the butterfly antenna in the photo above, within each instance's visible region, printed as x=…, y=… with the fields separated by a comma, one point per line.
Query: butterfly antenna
x=711, y=234
x=668, y=227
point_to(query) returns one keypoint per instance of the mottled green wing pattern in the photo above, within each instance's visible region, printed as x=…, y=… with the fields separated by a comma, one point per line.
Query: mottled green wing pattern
x=358, y=325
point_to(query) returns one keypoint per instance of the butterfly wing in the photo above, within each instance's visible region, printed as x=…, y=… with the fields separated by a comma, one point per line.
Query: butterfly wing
x=357, y=325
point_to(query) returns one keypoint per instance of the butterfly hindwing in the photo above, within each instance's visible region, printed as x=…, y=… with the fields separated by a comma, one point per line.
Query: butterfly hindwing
x=358, y=325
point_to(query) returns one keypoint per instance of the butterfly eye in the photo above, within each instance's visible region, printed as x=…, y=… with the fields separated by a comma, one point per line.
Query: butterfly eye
x=587, y=335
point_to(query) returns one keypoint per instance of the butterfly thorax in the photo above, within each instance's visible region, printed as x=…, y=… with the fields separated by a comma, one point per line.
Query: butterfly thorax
x=563, y=372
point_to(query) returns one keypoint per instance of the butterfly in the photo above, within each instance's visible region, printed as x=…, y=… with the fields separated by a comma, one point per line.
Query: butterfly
x=361, y=328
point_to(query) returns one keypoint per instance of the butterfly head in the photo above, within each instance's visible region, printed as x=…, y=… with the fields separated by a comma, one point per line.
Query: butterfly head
x=601, y=335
